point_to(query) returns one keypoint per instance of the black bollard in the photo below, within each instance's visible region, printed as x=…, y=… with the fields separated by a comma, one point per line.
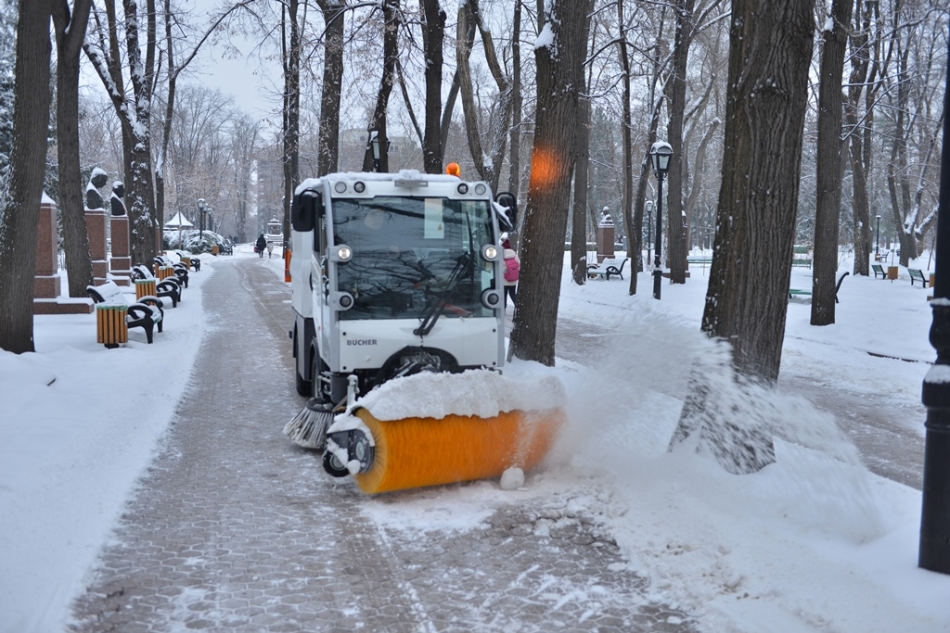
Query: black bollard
x=934, y=552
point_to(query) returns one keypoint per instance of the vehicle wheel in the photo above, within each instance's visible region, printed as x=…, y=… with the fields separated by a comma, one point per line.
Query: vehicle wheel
x=333, y=466
x=304, y=387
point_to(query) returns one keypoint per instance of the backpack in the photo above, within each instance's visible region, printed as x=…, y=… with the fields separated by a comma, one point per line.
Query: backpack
x=512, y=269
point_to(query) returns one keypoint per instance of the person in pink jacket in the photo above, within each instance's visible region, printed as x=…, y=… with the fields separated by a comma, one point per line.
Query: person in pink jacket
x=512, y=272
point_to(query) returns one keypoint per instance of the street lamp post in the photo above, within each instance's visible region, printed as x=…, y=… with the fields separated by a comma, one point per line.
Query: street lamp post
x=660, y=154
x=374, y=145
x=934, y=551
x=877, y=237
x=649, y=205
x=201, y=218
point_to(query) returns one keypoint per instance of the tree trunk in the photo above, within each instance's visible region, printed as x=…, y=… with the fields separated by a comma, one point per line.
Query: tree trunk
x=860, y=204
x=898, y=185
x=579, y=206
x=514, y=175
x=765, y=109
x=390, y=52
x=291, y=157
x=465, y=39
x=640, y=201
x=676, y=221
x=746, y=303
x=139, y=196
x=133, y=112
x=626, y=123
x=70, y=33
x=829, y=164
x=19, y=216
x=328, y=146
x=433, y=36
x=560, y=77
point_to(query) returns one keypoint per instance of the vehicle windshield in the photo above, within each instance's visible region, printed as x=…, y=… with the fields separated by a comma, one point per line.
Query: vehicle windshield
x=410, y=254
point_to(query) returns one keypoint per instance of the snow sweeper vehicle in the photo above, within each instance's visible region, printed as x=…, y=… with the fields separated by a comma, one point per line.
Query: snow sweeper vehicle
x=398, y=333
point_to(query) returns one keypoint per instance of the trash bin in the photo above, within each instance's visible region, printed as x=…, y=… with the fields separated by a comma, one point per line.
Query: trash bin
x=892, y=272
x=111, y=329
x=144, y=288
x=214, y=249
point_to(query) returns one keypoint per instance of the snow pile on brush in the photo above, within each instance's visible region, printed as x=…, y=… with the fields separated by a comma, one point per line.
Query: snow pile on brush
x=480, y=392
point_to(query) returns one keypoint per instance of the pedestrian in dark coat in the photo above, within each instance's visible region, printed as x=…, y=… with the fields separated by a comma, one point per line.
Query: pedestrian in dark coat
x=261, y=245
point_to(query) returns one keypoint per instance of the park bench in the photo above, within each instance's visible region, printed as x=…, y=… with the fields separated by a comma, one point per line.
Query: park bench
x=801, y=256
x=180, y=270
x=169, y=287
x=795, y=292
x=878, y=270
x=916, y=274
x=704, y=260
x=606, y=269
x=192, y=260
x=146, y=313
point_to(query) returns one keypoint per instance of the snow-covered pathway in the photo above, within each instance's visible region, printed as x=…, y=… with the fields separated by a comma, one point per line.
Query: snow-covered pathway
x=236, y=529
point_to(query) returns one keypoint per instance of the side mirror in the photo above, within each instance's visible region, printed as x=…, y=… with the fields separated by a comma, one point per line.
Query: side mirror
x=304, y=209
x=509, y=220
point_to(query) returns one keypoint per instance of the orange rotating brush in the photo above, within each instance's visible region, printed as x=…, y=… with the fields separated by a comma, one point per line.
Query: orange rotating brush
x=418, y=452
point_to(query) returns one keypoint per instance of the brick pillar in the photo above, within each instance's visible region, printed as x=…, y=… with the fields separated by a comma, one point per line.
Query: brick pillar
x=605, y=238
x=120, y=263
x=47, y=282
x=96, y=228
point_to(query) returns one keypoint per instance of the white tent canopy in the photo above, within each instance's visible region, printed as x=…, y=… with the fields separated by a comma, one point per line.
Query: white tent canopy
x=178, y=222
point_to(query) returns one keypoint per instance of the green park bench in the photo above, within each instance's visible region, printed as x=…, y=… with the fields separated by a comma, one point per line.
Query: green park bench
x=916, y=274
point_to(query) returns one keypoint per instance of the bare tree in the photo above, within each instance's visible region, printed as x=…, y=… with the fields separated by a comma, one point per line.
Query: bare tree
x=770, y=52
x=829, y=164
x=70, y=27
x=390, y=10
x=244, y=137
x=487, y=163
x=676, y=224
x=626, y=123
x=329, y=142
x=559, y=55
x=19, y=214
x=433, y=37
x=858, y=136
x=174, y=69
x=657, y=63
x=291, y=21
x=517, y=104
x=133, y=109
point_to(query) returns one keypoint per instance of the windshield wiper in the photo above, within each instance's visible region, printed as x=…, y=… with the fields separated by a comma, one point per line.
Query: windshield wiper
x=434, y=311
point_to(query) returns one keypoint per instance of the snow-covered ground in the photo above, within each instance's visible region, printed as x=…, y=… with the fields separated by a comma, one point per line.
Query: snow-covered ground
x=813, y=542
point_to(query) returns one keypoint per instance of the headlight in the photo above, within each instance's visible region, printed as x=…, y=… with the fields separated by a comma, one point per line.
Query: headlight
x=489, y=252
x=462, y=189
x=359, y=187
x=341, y=253
x=491, y=298
x=341, y=301
x=480, y=189
x=339, y=187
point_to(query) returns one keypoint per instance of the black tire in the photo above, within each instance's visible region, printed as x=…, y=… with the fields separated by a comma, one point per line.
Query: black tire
x=304, y=387
x=333, y=467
